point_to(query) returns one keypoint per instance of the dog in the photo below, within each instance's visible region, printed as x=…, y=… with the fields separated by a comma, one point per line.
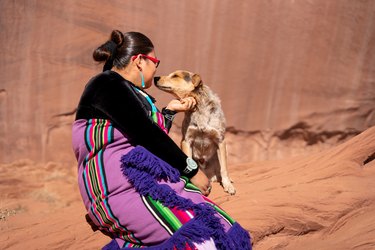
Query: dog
x=203, y=128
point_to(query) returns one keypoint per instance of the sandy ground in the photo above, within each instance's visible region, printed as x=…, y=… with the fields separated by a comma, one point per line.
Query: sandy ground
x=324, y=200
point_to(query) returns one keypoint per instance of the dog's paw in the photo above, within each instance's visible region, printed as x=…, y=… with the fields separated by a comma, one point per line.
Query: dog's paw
x=228, y=187
x=231, y=190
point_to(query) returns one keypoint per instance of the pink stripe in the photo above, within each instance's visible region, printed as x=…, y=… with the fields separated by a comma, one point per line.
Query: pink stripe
x=182, y=216
x=92, y=141
x=161, y=122
x=92, y=144
x=210, y=201
x=191, y=212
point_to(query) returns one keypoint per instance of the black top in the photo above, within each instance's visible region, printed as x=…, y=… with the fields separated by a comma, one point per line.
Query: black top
x=109, y=96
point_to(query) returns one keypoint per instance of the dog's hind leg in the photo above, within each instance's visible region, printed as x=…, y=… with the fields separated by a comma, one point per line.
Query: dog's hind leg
x=185, y=147
x=225, y=180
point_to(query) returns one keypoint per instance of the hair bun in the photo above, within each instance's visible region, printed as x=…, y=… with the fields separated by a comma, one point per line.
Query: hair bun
x=117, y=37
x=108, y=49
x=105, y=51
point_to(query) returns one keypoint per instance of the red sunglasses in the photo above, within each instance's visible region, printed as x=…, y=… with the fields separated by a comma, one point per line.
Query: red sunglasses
x=154, y=60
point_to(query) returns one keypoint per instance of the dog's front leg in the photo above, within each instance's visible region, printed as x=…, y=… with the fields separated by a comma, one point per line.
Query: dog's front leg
x=185, y=146
x=225, y=180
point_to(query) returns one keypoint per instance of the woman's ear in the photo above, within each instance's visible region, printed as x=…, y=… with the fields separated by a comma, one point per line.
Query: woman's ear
x=137, y=60
x=197, y=81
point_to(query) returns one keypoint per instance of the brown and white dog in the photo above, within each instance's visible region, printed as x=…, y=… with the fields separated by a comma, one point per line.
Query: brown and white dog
x=203, y=129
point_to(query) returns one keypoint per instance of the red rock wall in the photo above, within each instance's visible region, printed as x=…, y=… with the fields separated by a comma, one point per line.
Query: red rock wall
x=283, y=69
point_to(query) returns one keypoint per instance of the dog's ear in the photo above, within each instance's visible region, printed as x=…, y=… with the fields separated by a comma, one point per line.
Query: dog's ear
x=197, y=81
x=213, y=134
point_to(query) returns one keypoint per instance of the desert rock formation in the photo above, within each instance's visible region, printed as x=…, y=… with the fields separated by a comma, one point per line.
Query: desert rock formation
x=297, y=84
x=285, y=70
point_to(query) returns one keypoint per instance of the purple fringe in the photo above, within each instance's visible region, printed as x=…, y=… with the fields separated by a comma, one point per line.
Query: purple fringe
x=111, y=246
x=236, y=233
x=143, y=170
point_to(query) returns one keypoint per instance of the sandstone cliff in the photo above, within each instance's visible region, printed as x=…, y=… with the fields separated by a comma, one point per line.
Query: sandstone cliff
x=300, y=71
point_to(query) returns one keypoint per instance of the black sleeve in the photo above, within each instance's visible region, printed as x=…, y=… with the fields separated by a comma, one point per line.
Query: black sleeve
x=168, y=117
x=117, y=100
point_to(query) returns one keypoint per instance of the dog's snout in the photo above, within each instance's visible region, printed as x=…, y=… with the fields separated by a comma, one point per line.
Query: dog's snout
x=156, y=79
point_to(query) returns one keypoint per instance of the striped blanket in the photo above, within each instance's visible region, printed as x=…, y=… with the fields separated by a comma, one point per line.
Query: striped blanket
x=140, y=200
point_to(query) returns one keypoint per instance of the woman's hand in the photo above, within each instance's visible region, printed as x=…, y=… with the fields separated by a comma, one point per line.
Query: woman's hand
x=201, y=181
x=184, y=104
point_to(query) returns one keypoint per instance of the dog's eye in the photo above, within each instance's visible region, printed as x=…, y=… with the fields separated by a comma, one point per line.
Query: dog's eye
x=174, y=76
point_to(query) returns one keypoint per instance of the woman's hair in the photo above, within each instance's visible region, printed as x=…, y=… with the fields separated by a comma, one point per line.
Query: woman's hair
x=119, y=49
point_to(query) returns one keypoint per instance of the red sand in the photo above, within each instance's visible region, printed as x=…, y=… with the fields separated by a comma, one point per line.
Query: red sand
x=320, y=201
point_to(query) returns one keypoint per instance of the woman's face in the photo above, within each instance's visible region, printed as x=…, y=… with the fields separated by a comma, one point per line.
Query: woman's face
x=149, y=68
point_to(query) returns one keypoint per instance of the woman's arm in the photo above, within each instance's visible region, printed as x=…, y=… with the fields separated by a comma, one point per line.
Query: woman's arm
x=115, y=98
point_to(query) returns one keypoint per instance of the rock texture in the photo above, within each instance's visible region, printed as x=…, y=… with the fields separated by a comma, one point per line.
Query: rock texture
x=285, y=70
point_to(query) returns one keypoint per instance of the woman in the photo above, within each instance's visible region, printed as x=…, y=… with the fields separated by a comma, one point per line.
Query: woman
x=137, y=185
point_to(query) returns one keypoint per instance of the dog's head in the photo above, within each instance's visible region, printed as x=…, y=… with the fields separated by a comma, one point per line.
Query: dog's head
x=204, y=144
x=179, y=83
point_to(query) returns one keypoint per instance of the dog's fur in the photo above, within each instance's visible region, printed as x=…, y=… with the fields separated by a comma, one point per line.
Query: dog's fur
x=203, y=129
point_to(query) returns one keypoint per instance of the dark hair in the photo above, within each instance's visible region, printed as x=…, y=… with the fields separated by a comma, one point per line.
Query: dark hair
x=118, y=50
